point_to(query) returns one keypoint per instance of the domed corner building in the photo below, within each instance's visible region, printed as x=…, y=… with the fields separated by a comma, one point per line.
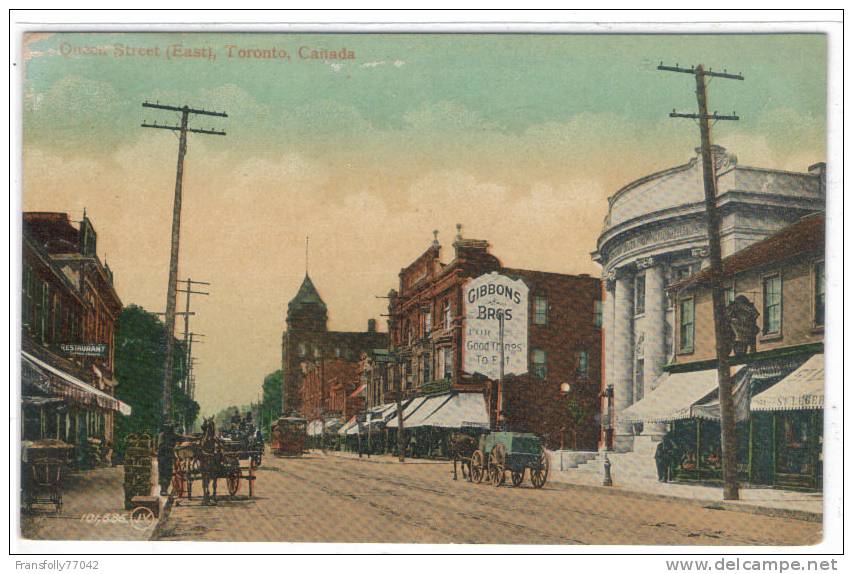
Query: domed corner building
x=655, y=234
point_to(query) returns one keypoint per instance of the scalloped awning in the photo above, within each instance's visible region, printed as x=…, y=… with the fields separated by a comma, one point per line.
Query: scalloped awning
x=801, y=390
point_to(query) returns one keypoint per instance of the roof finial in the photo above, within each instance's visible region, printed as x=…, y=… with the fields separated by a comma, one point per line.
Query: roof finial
x=306, y=255
x=435, y=238
x=458, y=232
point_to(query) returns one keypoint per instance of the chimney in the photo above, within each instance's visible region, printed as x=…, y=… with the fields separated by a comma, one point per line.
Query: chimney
x=371, y=325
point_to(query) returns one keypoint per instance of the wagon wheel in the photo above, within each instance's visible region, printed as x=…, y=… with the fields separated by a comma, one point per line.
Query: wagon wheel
x=497, y=465
x=539, y=475
x=178, y=479
x=517, y=477
x=233, y=481
x=477, y=470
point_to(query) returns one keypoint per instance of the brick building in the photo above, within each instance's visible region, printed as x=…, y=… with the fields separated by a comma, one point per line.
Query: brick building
x=69, y=307
x=430, y=339
x=307, y=338
x=326, y=386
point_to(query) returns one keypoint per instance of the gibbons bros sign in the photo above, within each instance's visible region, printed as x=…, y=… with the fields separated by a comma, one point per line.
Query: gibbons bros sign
x=488, y=298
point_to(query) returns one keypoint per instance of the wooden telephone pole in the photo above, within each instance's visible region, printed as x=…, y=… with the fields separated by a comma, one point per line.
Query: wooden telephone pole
x=187, y=335
x=171, y=291
x=723, y=345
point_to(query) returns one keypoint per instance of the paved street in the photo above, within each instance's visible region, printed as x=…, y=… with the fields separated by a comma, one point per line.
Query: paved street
x=332, y=499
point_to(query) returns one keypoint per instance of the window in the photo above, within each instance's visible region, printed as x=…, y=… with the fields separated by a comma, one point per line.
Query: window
x=317, y=352
x=819, y=293
x=338, y=352
x=426, y=368
x=728, y=295
x=448, y=318
x=427, y=323
x=773, y=304
x=598, y=313
x=686, y=326
x=582, y=362
x=303, y=350
x=540, y=368
x=639, y=294
x=445, y=363
x=540, y=310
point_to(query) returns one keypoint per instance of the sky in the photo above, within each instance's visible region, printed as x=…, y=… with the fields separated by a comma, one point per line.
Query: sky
x=520, y=138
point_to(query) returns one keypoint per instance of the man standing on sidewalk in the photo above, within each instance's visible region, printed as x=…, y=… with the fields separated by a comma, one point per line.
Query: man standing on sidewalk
x=165, y=457
x=661, y=461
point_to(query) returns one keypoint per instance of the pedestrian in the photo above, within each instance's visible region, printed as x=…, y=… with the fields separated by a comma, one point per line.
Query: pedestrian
x=661, y=460
x=674, y=459
x=165, y=457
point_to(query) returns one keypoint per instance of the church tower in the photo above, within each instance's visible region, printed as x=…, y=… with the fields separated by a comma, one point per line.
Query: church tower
x=307, y=311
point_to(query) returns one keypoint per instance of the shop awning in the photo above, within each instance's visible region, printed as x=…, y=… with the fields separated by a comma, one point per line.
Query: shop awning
x=314, y=428
x=674, y=396
x=460, y=410
x=408, y=411
x=344, y=430
x=801, y=390
x=710, y=409
x=428, y=408
x=73, y=387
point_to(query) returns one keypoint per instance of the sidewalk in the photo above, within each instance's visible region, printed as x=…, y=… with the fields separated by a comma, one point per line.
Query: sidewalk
x=756, y=500
x=379, y=458
x=92, y=509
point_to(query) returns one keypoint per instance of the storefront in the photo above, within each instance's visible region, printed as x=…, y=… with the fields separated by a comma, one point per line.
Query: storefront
x=792, y=412
x=778, y=413
x=429, y=421
x=58, y=405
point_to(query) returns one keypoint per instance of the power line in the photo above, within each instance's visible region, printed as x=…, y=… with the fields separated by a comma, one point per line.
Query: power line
x=171, y=291
x=723, y=347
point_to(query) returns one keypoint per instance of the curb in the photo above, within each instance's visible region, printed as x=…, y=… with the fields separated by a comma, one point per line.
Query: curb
x=377, y=460
x=746, y=507
x=165, y=510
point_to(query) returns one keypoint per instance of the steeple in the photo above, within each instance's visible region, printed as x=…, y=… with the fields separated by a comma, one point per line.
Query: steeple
x=307, y=310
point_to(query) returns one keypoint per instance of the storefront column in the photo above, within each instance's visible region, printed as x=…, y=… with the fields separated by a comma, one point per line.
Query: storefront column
x=654, y=339
x=622, y=360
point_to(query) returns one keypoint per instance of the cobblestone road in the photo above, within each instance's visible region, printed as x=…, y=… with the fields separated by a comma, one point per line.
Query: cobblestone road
x=331, y=499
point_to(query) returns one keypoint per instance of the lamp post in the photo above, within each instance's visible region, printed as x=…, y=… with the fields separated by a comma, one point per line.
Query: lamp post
x=607, y=394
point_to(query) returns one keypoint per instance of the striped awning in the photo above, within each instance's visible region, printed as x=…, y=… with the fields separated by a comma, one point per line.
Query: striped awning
x=70, y=386
x=801, y=390
x=674, y=397
x=408, y=412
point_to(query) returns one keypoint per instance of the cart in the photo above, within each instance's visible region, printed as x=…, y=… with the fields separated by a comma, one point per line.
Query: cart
x=187, y=468
x=513, y=452
x=44, y=466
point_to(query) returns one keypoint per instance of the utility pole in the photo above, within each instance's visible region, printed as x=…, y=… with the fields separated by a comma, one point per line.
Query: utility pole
x=171, y=291
x=709, y=176
x=189, y=291
x=191, y=361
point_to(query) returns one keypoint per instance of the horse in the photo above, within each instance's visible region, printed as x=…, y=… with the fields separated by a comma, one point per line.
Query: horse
x=211, y=456
x=461, y=447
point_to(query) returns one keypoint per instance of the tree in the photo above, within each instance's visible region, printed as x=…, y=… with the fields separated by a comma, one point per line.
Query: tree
x=271, y=402
x=140, y=347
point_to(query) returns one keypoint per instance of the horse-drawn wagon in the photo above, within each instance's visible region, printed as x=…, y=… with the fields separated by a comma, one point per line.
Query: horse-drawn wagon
x=502, y=452
x=208, y=458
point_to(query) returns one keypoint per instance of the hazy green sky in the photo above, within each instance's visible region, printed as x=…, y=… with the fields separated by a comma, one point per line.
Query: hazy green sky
x=519, y=137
